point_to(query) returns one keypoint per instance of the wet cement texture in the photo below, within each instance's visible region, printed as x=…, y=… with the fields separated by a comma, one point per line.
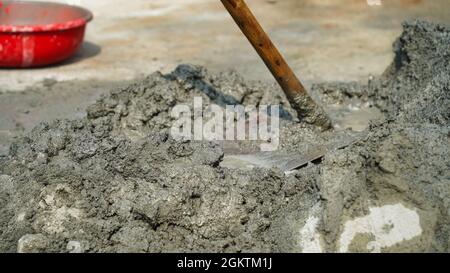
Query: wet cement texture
x=116, y=181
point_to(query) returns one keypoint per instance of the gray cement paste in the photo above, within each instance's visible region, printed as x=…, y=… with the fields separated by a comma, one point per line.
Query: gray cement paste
x=115, y=181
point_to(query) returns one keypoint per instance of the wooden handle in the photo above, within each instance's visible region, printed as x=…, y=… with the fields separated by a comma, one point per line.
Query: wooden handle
x=291, y=85
x=266, y=49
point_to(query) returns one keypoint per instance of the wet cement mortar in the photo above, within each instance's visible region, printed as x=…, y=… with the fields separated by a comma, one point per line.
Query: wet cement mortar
x=116, y=181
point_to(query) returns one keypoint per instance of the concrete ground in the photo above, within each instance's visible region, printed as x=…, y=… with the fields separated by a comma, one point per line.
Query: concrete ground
x=325, y=40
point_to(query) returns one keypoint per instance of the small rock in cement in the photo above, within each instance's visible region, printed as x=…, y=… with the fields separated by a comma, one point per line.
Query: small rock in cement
x=75, y=247
x=32, y=243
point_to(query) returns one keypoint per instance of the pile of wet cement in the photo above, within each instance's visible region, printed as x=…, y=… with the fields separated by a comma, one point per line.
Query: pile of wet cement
x=116, y=181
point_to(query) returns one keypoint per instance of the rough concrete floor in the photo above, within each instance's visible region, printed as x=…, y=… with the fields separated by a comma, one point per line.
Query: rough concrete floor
x=323, y=41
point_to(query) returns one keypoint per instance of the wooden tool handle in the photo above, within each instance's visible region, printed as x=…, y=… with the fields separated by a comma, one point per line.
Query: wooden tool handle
x=291, y=85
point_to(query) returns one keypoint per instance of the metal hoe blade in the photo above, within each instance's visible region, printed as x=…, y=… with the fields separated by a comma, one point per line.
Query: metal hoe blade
x=281, y=160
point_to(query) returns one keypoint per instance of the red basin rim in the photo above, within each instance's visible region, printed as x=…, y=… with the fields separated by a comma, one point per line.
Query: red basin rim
x=83, y=19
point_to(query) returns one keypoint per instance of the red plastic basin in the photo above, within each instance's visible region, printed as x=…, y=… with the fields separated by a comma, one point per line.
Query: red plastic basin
x=36, y=34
